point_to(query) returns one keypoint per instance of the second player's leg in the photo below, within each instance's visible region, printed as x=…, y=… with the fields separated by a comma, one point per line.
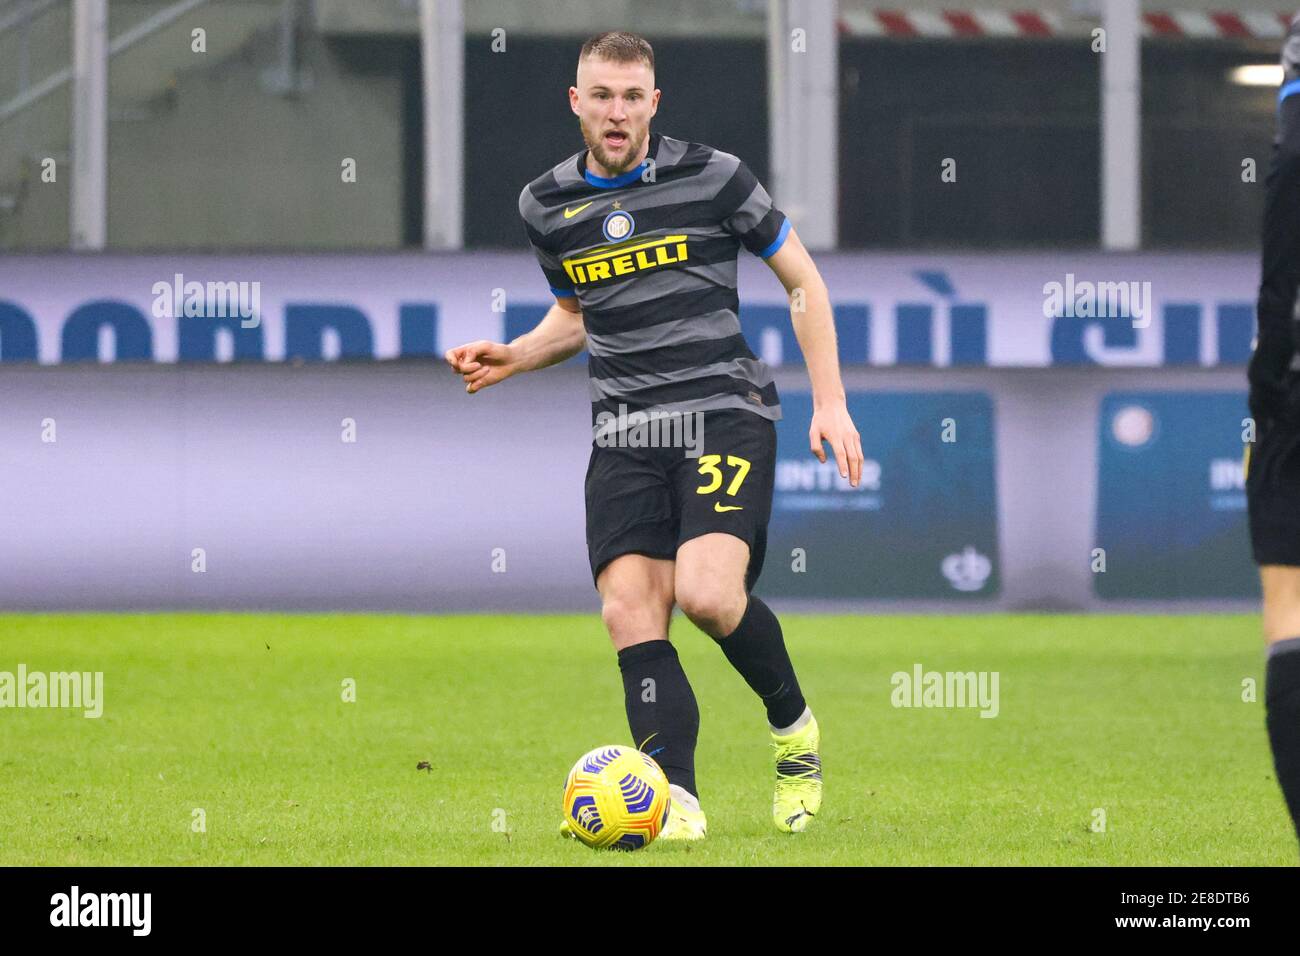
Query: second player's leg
x=1281, y=585
x=1272, y=491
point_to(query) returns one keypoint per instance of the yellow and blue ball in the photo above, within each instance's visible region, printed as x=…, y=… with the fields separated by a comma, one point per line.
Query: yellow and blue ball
x=616, y=797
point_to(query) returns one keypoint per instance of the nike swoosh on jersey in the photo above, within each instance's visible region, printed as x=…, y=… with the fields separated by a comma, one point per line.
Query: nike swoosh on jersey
x=570, y=213
x=719, y=506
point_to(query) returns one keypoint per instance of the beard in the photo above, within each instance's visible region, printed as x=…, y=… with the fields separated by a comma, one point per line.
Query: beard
x=595, y=142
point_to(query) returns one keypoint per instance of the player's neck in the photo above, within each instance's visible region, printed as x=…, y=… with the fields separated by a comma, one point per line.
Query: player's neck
x=596, y=169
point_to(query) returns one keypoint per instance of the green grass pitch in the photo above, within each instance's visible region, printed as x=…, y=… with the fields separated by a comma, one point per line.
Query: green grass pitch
x=242, y=716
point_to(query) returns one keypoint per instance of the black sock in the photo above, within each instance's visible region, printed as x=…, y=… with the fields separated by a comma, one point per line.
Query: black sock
x=756, y=649
x=661, y=709
x=1282, y=698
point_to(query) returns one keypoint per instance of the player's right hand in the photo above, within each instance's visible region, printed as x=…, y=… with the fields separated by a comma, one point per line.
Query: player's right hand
x=481, y=363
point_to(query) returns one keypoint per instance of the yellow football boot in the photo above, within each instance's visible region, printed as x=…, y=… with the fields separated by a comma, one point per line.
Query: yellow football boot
x=685, y=818
x=798, y=794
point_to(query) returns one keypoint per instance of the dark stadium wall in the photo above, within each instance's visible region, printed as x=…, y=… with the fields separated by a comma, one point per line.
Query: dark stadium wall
x=216, y=157
x=1021, y=121
x=518, y=122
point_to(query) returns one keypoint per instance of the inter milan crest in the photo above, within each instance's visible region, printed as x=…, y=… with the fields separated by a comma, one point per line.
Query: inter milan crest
x=618, y=225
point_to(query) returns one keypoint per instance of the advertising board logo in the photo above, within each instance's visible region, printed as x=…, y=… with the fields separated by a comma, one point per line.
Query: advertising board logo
x=967, y=571
x=1133, y=426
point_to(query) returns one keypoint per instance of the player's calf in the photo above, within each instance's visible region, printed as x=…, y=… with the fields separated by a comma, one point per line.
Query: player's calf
x=756, y=649
x=710, y=588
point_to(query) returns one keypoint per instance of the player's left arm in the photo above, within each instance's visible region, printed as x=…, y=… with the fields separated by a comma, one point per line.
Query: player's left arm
x=814, y=327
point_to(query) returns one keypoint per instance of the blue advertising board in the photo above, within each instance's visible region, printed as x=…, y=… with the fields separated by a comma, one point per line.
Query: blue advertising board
x=948, y=310
x=1171, y=498
x=921, y=524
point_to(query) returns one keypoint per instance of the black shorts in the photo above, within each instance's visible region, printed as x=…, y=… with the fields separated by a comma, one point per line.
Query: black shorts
x=649, y=500
x=1273, y=492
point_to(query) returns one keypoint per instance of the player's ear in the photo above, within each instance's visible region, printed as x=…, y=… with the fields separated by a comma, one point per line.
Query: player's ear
x=573, y=99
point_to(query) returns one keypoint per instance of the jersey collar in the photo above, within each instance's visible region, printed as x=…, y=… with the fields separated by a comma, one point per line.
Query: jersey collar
x=631, y=176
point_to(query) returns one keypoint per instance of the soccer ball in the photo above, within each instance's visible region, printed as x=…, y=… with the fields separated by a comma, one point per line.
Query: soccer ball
x=616, y=797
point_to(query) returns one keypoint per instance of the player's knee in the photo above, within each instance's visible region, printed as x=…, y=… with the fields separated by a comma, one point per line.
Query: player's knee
x=630, y=621
x=618, y=614
x=712, y=606
x=1281, y=602
x=1281, y=621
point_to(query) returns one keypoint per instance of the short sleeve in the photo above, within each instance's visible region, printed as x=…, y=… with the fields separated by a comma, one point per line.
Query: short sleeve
x=1288, y=98
x=556, y=278
x=553, y=269
x=747, y=212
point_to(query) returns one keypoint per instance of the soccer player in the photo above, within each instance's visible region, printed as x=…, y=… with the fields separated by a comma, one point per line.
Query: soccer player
x=638, y=236
x=1273, y=463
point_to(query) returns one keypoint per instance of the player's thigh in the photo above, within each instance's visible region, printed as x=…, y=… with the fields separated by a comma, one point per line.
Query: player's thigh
x=1273, y=499
x=709, y=579
x=1281, y=585
x=636, y=598
x=629, y=504
x=725, y=499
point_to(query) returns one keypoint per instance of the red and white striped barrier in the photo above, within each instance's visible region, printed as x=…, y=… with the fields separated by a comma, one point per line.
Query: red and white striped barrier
x=1035, y=24
x=1216, y=26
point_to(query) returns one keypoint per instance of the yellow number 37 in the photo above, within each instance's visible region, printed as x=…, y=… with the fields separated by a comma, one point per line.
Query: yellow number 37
x=709, y=466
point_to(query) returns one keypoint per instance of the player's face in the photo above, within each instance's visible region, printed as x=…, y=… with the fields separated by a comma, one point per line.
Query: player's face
x=614, y=103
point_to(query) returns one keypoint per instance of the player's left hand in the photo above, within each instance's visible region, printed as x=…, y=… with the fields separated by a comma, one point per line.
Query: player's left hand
x=831, y=423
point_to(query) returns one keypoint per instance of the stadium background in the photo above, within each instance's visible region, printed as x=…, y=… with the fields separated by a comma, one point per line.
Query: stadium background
x=1080, y=443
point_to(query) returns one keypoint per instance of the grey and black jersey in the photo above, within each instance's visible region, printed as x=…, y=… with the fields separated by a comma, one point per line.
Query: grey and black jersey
x=651, y=257
x=1275, y=364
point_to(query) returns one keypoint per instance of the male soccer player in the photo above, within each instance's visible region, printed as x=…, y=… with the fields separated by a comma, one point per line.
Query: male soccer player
x=1273, y=463
x=638, y=236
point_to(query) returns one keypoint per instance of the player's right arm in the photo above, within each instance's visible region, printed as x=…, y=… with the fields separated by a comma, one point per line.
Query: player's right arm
x=561, y=333
x=559, y=336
